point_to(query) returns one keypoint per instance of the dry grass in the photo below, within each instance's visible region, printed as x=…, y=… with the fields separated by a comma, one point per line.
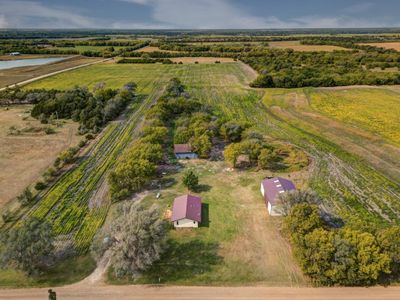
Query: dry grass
x=153, y=49
x=15, y=75
x=391, y=45
x=25, y=157
x=295, y=45
x=202, y=60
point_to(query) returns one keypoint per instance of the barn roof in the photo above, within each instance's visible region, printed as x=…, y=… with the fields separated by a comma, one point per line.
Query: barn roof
x=275, y=186
x=182, y=148
x=187, y=207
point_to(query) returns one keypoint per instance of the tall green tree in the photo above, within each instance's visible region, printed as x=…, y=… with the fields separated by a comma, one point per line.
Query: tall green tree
x=28, y=246
x=136, y=238
x=190, y=180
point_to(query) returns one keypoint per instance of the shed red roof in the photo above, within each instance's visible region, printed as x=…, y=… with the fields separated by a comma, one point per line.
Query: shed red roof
x=182, y=148
x=186, y=207
x=275, y=186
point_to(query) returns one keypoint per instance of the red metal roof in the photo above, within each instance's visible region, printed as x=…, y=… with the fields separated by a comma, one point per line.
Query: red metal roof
x=187, y=207
x=182, y=148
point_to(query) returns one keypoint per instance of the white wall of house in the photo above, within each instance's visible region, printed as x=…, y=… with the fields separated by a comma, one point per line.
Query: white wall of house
x=274, y=210
x=186, y=223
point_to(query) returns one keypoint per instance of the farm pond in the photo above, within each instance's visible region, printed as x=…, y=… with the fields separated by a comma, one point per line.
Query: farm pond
x=9, y=64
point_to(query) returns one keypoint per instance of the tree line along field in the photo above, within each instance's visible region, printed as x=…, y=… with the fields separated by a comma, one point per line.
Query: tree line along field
x=351, y=187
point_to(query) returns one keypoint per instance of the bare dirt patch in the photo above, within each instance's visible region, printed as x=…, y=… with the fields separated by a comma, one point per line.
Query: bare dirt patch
x=202, y=60
x=23, y=158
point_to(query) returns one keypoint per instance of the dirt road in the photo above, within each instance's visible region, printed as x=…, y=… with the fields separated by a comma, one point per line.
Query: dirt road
x=78, y=292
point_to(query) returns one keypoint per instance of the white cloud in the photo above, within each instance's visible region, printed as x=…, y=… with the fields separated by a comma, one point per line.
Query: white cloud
x=359, y=8
x=334, y=22
x=33, y=14
x=3, y=22
x=203, y=14
x=223, y=14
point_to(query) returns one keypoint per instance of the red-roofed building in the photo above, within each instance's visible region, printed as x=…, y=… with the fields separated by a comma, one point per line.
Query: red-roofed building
x=184, y=151
x=186, y=211
x=271, y=189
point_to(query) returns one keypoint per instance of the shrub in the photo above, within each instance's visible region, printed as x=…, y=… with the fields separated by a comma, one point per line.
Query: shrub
x=190, y=180
x=40, y=186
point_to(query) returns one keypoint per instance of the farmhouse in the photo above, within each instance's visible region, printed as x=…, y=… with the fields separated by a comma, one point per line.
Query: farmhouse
x=184, y=151
x=186, y=211
x=271, y=188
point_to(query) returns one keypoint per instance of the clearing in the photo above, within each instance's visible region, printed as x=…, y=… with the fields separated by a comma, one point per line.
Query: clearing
x=24, y=157
x=295, y=45
x=237, y=242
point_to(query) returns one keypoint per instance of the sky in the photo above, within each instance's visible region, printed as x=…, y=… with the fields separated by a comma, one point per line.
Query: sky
x=198, y=14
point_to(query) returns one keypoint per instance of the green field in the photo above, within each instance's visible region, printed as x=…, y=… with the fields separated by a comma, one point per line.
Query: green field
x=338, y=174
x=350, y=186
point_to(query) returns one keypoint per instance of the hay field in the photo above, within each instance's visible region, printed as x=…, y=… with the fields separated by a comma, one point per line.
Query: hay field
x=153, y=49
x=23, y=158
x=296, y=46
x=389, y=45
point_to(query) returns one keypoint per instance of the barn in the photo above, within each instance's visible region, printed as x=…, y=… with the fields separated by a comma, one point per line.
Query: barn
x=186, y=211
x=271, y=188
x=184, y=151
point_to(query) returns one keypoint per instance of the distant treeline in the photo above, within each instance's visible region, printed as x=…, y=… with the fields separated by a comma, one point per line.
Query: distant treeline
x=37, y=34
x=52, y=47
x=145, y=61
x=291, y=69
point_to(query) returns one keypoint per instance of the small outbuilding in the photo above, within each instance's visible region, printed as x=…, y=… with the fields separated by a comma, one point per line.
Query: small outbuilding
x=186, y=211
x=184, y=151
x=271, y=189
x=15, y=53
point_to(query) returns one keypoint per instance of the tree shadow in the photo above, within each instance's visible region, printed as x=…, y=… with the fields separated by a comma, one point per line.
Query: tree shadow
x=205, y=217
x=182, y=261
x=202, y=188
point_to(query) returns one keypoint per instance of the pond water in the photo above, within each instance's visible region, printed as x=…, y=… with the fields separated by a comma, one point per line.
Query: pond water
x=8, y=64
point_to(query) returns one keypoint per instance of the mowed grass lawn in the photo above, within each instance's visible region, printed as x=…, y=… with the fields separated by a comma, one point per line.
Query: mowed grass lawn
x=237, y=242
